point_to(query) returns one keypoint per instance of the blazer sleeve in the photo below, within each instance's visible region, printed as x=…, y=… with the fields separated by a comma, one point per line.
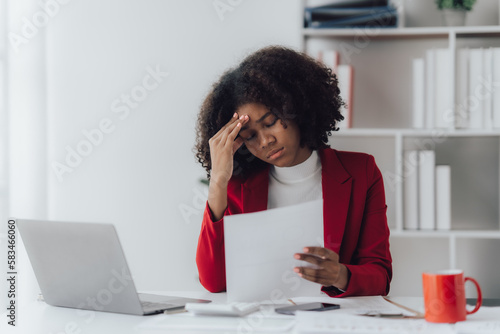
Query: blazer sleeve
x=210, y=257
x=370, y=268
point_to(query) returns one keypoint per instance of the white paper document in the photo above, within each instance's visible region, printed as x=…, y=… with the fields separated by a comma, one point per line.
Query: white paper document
x=259, y=251
x=357, y=305
x=331, y=322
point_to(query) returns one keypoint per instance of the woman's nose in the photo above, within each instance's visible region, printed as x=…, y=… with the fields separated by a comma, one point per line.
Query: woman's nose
x=266, y=139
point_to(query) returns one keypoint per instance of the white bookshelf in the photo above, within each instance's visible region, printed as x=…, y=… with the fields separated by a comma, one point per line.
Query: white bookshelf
x=417, y=132
x=440, y=32
x=382, y=126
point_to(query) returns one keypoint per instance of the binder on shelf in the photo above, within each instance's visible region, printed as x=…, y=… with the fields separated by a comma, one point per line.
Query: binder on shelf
x=429, y=91
x=330, y=58
x=443, y=197
x=461, y=97
x=387, y=17
x=348, y=3
x=342, y=14
x=418, y=100
x=426, y=179
x=487, y=97
x=345, y=75
x=443, y=96
x=410, y=187
x=496, y=89
x=332, y=12
x=475, y=107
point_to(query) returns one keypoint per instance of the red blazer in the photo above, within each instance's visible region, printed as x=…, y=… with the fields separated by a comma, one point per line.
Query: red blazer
x=355, y=223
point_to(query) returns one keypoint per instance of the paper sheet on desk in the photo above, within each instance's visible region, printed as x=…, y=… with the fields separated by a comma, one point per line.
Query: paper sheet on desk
x=259, y=251
x=265, y=320
x=329, y=322
x=357, y=305
x=348, y=318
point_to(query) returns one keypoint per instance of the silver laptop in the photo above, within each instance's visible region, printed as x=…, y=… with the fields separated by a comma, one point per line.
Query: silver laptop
x=82, y=265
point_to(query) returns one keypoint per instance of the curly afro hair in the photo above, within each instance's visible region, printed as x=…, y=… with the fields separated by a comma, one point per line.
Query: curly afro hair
x=291, y=84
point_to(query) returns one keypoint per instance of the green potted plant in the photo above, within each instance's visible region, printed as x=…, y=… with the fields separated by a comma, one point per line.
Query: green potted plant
x=454, y=10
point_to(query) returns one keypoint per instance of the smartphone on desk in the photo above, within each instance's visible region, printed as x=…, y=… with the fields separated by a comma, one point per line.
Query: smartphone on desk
x=306, y=307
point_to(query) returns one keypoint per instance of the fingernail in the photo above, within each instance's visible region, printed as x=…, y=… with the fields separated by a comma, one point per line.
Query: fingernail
x=306, y=249
x=242, y=117
x=296, y=269
x=235, y=115
x=297, y=256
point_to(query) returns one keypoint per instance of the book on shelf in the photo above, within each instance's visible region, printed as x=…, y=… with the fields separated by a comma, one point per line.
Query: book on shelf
x=418, y=93
x=486, y=97
x=496, y=87
x=433, y=90
x=410, y=188
x=341, y=14
x=332, y=12
x=426, y=192
x=345, y=75
x=443, y=197
x=347, y=3
x=462, y=89
x=443, y=92
x=381, y=18
x=477, y=102
x=426, y=179
x=474, y=104
x=471, y=101
x=429, y=91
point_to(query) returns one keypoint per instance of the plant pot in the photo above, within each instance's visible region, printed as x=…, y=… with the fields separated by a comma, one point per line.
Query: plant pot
x=454, y=17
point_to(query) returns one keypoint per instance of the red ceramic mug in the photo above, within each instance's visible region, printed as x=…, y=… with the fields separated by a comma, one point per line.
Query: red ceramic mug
x=444, y=296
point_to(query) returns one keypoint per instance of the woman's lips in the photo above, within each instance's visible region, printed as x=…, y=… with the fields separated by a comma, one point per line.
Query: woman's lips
x=275, y=154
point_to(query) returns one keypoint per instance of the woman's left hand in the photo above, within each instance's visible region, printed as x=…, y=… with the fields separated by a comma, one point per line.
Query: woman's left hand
x=329, y=271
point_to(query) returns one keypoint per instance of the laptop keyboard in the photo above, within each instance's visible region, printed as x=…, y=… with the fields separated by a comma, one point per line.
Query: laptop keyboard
x=150, y=307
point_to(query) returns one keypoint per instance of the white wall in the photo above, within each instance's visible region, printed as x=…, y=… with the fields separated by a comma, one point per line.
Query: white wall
x=27, y=146
x=144, y=172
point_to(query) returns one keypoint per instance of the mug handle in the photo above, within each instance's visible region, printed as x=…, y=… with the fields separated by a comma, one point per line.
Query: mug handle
x=479, y=295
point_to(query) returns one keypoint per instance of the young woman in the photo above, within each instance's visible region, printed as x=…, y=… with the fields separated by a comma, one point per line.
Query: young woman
x=262, y=137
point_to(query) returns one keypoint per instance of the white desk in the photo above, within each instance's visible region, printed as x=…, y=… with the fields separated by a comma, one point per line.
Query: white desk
x=36, y=317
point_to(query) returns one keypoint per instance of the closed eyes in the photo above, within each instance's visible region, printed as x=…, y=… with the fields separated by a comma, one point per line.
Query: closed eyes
x=252, y=135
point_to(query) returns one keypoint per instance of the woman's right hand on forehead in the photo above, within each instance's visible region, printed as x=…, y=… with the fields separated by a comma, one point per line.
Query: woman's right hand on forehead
x=223, y=145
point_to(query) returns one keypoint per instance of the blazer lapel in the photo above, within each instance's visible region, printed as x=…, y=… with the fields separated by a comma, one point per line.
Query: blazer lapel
x=254, y=191
x=336, y=185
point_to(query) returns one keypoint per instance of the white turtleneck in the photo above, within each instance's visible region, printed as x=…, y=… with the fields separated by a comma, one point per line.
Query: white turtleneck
x=296, y=184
